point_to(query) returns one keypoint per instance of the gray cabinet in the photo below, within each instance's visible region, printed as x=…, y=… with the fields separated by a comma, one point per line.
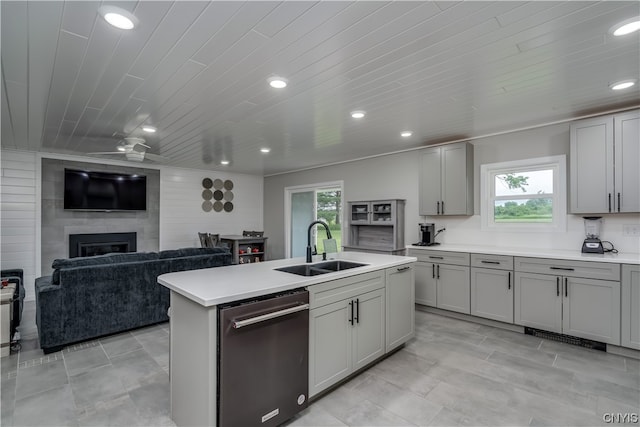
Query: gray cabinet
x=568, y=299
x=446, y=180
x=442, y=279
x=630, y=328
x=492, y=288
x=400, y=300
x=376, y=226
x=347, y=327
x=604, y=164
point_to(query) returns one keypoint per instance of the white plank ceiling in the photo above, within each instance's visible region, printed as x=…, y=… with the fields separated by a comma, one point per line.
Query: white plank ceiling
x=198, y=71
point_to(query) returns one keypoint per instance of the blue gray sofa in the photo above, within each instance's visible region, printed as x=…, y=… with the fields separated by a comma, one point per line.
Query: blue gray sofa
x=86, y=298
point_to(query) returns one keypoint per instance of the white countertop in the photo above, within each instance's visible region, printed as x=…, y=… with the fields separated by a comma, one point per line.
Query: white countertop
x=573, y=255
x=218, y=285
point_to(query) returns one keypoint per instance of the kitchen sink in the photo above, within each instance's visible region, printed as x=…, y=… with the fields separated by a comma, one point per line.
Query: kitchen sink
x=320, y=267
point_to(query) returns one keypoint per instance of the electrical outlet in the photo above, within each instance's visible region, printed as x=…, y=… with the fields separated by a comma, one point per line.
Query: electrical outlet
x=631, y=230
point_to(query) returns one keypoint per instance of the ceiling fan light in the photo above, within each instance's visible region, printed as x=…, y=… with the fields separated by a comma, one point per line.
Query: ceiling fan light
x=358, y=114
x=118, y=17
x=623, y=84
x=626, y=27
x=406, y=134
x=224, y=162
x=149, y=129
x=265, y=150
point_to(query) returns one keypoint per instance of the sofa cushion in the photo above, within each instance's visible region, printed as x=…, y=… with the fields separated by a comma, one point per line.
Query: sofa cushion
x=59, y=264
x=186, y=252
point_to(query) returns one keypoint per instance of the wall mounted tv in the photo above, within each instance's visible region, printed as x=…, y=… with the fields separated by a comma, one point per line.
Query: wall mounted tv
x=104, y=191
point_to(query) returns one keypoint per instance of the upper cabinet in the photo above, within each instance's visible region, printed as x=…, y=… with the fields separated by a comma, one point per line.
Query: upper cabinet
x=605, y=176
x=446, y=180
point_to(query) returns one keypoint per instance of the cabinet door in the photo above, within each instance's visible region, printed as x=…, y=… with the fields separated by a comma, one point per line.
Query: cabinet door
x=591, y=309
x=591, y=165
x=400, y=305
x=430, y=182
x=425, y=283
x=630, y=329
x=538, y=301
x=330, y=338
x=360, y=213
x=492, y=294
x=453, y=290
x=627, y=153
x=455, y=189
x=368, y=329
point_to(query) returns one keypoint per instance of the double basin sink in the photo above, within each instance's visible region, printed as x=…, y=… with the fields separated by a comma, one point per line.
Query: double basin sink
x=320, y=268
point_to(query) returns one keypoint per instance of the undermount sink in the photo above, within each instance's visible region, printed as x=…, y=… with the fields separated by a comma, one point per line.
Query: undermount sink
x=320, y=267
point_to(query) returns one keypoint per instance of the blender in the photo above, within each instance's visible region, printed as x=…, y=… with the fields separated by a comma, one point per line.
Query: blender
x=592, y=244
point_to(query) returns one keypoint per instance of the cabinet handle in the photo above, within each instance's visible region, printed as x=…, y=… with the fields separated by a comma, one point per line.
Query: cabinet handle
x=562, y=268
x=509, y=282
x=357, y=310
x=433, y=271
x=443, y=207
x=435, y=257
x=609, y=202
x=351, y=318
x=438, y=271
x=557, y=286
x=566, y=287
x=618, y=202
x=438, y=207
x=490, y=262
x=401, y=269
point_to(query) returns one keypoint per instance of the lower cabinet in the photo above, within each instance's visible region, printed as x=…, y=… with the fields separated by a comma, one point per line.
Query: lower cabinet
x=453, y=292
x=492, y=294
x=630, y=329
x=400, y=305
x=348, y=333
x=586, y=308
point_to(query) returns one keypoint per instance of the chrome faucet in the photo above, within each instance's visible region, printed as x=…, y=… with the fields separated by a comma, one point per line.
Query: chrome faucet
x=309, y=252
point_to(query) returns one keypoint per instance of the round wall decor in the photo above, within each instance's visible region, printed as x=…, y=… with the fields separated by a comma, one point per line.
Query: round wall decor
x=221, y=195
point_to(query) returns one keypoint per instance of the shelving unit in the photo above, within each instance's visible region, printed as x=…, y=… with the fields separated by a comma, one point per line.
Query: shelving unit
x=376, y=226
x=245, y=250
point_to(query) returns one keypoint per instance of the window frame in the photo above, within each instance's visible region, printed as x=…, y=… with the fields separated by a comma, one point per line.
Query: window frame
x=488, y=171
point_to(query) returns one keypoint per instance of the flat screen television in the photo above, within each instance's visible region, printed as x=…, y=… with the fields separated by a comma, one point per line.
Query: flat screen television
x=104, y=191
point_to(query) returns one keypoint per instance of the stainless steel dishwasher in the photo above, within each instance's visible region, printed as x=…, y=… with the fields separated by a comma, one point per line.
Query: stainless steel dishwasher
x=263, y=358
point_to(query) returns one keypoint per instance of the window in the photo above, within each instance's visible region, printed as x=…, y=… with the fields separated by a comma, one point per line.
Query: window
x=524, y=195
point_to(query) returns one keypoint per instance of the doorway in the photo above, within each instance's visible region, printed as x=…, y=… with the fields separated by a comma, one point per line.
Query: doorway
x=308, y=203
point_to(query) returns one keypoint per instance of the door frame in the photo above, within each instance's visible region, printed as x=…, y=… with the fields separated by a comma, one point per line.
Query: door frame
x=288, y=191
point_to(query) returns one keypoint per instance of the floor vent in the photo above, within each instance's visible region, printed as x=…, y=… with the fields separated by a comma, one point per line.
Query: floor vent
x=568, y=339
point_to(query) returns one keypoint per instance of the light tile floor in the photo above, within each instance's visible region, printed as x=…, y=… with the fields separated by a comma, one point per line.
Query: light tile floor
x=453, y=373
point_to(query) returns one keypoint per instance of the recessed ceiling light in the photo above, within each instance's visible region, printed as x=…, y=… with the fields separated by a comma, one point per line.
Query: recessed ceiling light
x=265, y=150
x=626, y=27
x=118, y=17
x=623, y=84
x=149, y=129
x=406, y=134
x=358, y=114
x=277, y=82
x=224, y=162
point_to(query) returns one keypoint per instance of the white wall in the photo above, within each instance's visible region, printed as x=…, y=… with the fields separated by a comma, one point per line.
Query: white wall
x=181, y=214
x=18, y=214
x=397, y=175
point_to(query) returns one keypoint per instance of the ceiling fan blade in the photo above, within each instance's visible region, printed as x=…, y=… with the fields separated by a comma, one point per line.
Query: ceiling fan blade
x=155, y=157
x=108, y=152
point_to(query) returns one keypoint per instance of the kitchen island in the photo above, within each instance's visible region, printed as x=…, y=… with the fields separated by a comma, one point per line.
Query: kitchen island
x=386, y=281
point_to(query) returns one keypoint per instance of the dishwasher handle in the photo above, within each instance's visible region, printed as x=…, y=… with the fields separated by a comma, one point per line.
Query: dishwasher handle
x=237, y=324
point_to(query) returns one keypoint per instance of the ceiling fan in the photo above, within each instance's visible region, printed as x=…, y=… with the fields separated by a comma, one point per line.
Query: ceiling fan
x=134, y=148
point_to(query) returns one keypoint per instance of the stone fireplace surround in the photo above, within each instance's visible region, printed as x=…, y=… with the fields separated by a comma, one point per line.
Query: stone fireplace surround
x=57, y=223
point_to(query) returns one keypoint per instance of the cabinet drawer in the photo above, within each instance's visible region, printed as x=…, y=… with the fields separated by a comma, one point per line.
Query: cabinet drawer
x=441, y=257
x=500, y=262
x=585, y=269
x=340, y=289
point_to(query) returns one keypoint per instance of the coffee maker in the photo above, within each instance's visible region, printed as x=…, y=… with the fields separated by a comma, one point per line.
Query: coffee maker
x=427, y=234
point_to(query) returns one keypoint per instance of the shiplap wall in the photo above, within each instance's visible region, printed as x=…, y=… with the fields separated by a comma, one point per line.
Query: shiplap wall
x=18, y=214
x=181, y=214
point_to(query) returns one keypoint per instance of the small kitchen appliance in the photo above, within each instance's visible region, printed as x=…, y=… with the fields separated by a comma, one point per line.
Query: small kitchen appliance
x=592, y=244
x=427, y=234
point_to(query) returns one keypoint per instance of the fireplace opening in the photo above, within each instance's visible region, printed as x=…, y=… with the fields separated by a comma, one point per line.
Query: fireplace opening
x=83, y=245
